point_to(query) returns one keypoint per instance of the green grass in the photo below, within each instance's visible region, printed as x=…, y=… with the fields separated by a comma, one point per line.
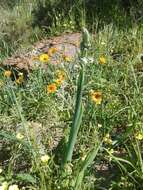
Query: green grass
x=98, y=144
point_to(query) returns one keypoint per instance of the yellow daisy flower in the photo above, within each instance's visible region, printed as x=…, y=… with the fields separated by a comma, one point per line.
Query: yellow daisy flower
x=51, y=88
x=102, y=60
x=7, y=73
x=52, y=50
x=44, y=58
x=96, y=96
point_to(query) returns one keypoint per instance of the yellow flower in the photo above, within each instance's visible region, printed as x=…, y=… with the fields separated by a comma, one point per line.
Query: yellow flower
x=139, y=136
x=102, y=60
x=96, y=96
x=20, y=78
x=107, y=139
x=61, y=77
x=52, y=50
x=51, y=88
x=13, y=187
x=44, y=58
x=19, y=136
x=61, y=74
x=67, y=58
x=7, y=73
x=45, y=158
x=58, y=81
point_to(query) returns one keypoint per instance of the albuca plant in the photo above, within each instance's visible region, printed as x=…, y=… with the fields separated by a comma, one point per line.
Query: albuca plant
x=77, y=118
x=75, y=121
x=78, y=113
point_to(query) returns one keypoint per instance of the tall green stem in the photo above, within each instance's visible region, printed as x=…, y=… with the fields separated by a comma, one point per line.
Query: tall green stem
x=77, y=118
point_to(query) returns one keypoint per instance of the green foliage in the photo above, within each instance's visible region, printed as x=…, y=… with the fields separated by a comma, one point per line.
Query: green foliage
x=25, y=178
x=39, y=18
x=77, y=119
x=54, y=13
x=95, y=13
x=16, y=28
x=106, y=151
x=8, y=3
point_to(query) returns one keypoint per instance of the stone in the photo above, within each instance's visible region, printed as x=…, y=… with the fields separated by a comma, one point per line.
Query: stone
x=67, y=44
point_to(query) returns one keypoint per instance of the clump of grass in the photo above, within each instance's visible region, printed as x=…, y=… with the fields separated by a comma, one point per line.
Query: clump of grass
x=16, y=28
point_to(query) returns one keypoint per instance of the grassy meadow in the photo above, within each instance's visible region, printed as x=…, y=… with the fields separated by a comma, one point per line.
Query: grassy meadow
x=79, y=123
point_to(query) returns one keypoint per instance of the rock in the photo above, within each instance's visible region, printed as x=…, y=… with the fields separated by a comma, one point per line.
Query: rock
x=66, y=44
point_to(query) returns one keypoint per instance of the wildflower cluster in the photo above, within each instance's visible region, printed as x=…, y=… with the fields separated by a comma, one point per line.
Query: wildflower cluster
x=45, y=58
x=19, y=79
x=52, y=88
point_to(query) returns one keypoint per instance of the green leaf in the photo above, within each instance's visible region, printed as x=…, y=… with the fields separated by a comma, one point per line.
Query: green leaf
x=77, y=118
x=26, y=178
x=88, y=161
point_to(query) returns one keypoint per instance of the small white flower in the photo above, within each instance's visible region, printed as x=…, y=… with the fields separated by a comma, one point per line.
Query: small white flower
x=19, y=136
x=45, y=158
x=1, y=170
x=99, y=125
x=84, y=60
x=4, y=186
x=68, y=168
x=91, y=59
x=13, y=187
x=103, y=43
x=83, y=157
